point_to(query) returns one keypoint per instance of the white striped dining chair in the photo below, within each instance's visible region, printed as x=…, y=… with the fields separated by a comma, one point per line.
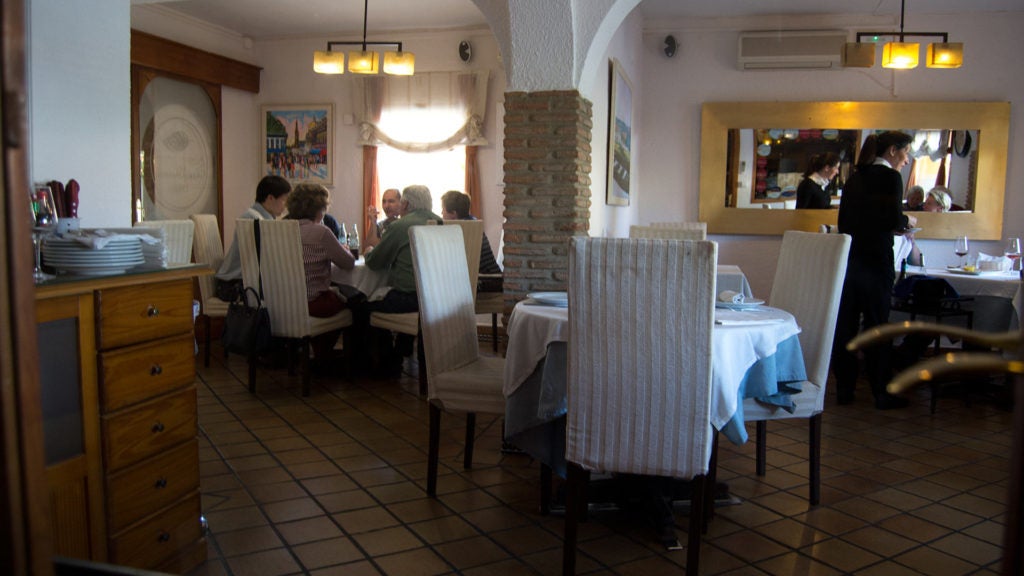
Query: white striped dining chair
x=208, y=249
x=459, y=379
x=639, y=387
x=177, y=235
x=283, y=278
x=808, y=284
x=668, y=232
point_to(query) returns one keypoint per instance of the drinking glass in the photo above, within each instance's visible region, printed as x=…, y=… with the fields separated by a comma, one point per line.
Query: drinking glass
x=961, y=247
x=1012, y=251
x=44, y=222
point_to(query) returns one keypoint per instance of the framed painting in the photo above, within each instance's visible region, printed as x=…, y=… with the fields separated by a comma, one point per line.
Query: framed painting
x=620, y=131
x=298, y=142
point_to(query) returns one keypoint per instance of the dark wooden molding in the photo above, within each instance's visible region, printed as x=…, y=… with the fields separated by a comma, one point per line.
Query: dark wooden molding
x=178, y=59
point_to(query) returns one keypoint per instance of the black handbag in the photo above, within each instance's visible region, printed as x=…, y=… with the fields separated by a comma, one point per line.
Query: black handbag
x=247, y=326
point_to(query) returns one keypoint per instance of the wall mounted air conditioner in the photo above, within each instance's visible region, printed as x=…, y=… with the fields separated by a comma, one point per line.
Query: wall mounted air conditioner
x=820, y=49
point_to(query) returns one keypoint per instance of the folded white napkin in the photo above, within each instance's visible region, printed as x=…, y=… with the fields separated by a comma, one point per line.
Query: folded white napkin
x=987, y=263
x=731, y=297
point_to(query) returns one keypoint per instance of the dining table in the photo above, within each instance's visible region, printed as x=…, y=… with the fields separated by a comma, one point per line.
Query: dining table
x=756, y=353
x=997, y=295
x=373, y=283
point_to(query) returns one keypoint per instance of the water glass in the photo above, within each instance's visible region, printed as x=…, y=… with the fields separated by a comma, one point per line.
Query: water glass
x=1012, y=251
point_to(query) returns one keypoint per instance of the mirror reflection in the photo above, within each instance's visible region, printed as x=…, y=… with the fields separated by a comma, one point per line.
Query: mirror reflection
x=789, y=168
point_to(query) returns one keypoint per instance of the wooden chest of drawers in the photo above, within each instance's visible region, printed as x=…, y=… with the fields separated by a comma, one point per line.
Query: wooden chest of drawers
x=138, y=479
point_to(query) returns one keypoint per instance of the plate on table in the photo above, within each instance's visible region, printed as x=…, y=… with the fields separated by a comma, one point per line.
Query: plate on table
x=559, y=299
x=959, y=270
x=745, y=305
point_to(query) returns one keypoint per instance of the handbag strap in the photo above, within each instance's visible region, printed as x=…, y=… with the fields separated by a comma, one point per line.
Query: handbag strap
x=259, y=273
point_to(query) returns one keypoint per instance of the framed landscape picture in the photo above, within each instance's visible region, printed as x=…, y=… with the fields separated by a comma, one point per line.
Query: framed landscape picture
x=298, y=142
x=620, y=130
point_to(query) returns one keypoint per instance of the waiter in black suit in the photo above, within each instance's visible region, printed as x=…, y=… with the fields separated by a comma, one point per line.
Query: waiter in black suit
x=870, y=212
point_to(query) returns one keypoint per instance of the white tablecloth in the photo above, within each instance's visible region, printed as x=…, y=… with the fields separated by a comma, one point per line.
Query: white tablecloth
x=735, y=348
x=366, y=280
x=996, y=296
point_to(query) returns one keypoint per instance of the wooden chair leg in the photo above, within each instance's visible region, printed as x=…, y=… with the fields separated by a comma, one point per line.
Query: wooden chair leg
x=709, y=493
x=432, y=450
x=546, y=476
x=207, y=339
x=305, y=365
x=494, y=332
x=421, y=361
x=252, y=373
x=761, y=449
x=575, y=501
x=693, y=537
x=467, y=456
x=814, y=458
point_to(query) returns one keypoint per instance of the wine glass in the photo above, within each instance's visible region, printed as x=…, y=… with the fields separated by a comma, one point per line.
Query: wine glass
x=961, y=247
x=44, y=216
x=1012, y=251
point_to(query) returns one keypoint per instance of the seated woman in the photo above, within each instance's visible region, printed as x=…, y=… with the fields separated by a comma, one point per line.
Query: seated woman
x=938, y=199
x=813, y=189
x=915, y=199
x=320, y=248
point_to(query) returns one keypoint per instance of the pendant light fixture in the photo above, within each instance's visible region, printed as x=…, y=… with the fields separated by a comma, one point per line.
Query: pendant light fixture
x=899, y=54
x=363, y=61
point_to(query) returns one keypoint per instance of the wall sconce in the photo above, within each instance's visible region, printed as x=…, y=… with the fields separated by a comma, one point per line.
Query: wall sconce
x=364, y=61
x=903, y=55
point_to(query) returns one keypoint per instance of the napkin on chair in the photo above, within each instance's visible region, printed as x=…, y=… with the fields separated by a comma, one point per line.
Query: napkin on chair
x=730, y=296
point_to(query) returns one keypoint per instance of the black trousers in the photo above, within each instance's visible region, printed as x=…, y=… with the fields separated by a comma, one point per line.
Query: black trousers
x=867, y=294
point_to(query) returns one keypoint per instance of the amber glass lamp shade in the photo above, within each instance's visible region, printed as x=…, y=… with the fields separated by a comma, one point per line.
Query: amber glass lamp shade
x=900, y=55
x=399, y=63
x=363, y=62
x=327, y=62
x=945, y=55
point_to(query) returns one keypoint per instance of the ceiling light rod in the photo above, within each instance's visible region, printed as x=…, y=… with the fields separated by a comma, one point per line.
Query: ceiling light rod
x=399, y=63
x=902, y=34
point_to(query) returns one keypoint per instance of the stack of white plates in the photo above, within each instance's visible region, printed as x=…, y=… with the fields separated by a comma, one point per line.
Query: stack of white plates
x=71, y=256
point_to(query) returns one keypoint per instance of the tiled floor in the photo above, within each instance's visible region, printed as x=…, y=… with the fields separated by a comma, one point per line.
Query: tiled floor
x=334, y=484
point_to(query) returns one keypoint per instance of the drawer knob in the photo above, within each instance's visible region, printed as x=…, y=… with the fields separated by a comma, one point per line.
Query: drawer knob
x=163, y=537
x=156, y=370
x=158, y=427
x=161, y=483
x=152, y=311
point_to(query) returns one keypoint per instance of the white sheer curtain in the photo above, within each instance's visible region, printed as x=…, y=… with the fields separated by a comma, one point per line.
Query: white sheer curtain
x=462, y=96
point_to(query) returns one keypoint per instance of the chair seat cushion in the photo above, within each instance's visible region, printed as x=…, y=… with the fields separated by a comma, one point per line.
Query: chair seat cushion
x=490, y=302
x=214, y=306
x=475, y=387
x=808, y=403
x=405, y=323
x=342, y=319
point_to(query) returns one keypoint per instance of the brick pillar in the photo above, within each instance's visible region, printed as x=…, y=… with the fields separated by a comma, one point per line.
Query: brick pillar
x=547, y=187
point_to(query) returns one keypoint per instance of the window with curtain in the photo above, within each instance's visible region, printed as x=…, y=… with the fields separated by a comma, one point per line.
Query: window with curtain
x=424, y=119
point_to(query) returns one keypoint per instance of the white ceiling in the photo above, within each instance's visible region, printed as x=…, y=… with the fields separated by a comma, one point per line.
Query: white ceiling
x=264, y=19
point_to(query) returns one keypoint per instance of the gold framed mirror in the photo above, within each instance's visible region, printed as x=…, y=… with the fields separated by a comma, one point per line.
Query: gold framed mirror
x=989, y=121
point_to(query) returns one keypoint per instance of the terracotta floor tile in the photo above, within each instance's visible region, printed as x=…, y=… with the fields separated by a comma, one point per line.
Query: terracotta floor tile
x=308, y=530
x=400, y=492
x=947, y=516
x=327, y=552
x=248, y=540
x=970, y=549
x=841, y=555
x=879, y=541
x=295, y=509
x=423, y=509
x=328, y=484
x=388, y=541
x=268, y=563
x=235, y=519
x=792, y=533
x=795, y=563
x=278, y=491
x=364, y=568
x=471, y=552
x=344, y=501
x=421, y=562
x=750, y=546
x=444, y=529
x=935, y=563
x=365, y=520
